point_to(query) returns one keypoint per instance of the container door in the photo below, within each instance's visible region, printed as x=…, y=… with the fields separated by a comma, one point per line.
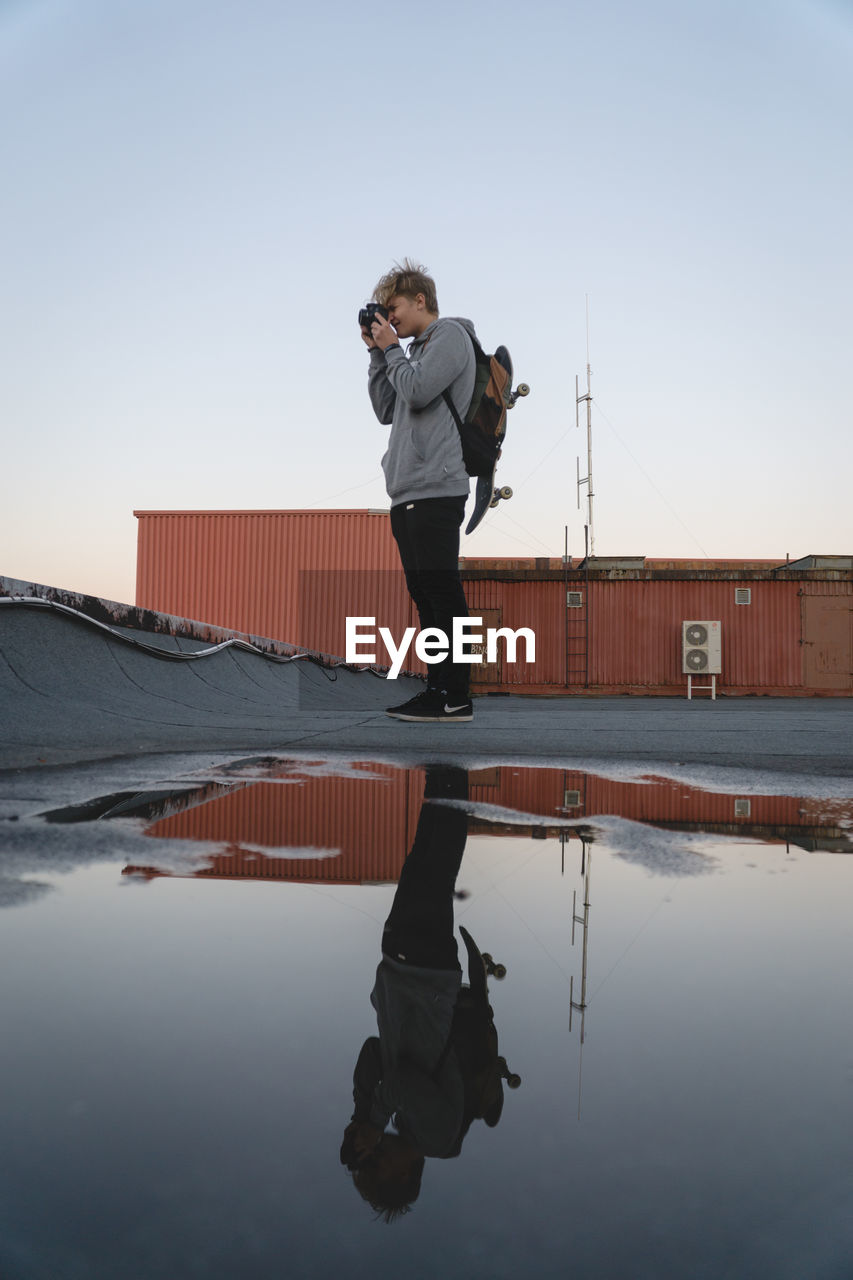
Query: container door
x=481, y=672
x=827, y=642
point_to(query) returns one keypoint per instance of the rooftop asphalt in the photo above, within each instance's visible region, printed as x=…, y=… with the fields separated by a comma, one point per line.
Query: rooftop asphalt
x=73, y=695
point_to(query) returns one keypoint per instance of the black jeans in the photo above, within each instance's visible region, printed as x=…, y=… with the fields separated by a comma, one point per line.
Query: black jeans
x=427, y=536
x=420, y=924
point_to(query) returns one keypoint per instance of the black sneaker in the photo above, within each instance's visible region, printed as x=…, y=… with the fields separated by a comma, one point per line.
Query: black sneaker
x=434, y=706
x=426, y=697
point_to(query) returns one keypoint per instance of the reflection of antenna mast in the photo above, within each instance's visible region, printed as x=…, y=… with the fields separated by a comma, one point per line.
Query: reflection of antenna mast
x=579, y=400
x=586, y=867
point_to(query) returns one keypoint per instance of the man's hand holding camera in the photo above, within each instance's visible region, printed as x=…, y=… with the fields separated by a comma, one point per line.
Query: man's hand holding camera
x=375, y=329
x=383, y=335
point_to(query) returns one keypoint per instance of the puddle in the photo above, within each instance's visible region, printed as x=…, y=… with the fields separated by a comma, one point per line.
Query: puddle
x=218, y=992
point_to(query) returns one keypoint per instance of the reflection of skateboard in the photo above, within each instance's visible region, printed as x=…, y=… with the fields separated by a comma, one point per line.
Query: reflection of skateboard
x=486, y=495
x=480, y=967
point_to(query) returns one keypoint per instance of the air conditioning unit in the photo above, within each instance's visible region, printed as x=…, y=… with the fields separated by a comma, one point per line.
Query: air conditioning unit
x=701, y=648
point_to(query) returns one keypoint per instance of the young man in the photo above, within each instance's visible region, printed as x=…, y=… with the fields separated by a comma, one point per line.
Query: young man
x=424, y=472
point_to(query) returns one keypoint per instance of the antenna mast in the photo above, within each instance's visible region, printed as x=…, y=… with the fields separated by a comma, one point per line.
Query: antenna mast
x=579, y=400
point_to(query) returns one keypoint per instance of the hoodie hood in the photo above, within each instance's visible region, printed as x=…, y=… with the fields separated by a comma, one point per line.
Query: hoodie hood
x=467, y=325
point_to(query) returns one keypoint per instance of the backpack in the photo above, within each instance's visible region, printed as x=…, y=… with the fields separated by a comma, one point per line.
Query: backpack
x=484, y=426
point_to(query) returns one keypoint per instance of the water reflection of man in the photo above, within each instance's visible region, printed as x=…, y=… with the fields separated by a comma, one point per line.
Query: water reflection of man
x=434, y=1065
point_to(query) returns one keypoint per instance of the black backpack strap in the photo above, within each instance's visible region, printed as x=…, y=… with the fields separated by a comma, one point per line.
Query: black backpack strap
x=446, y=394
x=452, y=407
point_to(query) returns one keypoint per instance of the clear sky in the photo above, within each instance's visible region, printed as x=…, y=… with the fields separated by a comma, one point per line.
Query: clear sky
x=199, y=194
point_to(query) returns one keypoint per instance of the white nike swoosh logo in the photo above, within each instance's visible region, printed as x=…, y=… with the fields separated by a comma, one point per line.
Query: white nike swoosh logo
x=447, y=709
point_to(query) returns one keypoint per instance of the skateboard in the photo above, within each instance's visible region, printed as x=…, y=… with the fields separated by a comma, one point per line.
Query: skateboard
x=487, y=494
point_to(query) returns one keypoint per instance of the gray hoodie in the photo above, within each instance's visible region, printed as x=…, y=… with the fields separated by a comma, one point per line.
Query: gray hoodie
x=424, y=455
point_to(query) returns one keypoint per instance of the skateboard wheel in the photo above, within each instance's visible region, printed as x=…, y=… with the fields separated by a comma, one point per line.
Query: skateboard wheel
x=499, y=971
x=495, y=499
x=522, y=389
x=513, y=1080
x=505, y=492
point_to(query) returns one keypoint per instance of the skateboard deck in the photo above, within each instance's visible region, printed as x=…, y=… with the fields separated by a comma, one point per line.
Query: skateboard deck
x=486, y=494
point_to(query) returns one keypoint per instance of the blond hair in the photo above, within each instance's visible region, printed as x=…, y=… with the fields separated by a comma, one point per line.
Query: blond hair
x=409, y=279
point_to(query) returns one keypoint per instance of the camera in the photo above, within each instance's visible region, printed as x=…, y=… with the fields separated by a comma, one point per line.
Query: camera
x=371, y=312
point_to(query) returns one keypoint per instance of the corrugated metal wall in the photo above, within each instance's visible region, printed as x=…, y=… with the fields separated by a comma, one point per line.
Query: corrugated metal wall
x=295, y=576
x=634, y=638
x=289, y=575
x=537, y=605
x=635, y=632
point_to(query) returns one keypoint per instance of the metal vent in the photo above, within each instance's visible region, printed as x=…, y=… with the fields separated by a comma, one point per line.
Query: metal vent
x=743, y=595
x=574, y=599
x=743, y=808
x=571, y=799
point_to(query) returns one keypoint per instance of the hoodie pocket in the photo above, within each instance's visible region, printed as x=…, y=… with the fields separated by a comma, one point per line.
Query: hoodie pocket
x=430, y=464
x=416, y=444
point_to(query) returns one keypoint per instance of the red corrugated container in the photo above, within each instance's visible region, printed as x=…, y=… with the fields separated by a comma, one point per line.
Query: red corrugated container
x=635, y=632
x=794, y=636
x=289, y=575
x=535, y=605
x=295, y=576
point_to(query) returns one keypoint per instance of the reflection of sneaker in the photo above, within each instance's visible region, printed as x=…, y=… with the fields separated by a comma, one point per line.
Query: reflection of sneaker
x=433, y=705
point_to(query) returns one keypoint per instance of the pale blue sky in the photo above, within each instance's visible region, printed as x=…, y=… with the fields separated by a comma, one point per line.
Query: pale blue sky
x=199, y=195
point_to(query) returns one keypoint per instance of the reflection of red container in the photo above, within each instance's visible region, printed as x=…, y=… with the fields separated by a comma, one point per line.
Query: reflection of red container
x=373, y=823
x=572, y=794
x=294, y=575
x=370, y=824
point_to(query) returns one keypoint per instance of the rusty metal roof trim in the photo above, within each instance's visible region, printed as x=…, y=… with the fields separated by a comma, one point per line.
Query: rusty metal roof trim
x=115, y=614
x=577, y=574
x=271, y=511
x=810, y=564
x=110, y=614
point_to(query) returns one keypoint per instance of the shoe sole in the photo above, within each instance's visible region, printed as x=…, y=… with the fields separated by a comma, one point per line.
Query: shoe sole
x=415, y=719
